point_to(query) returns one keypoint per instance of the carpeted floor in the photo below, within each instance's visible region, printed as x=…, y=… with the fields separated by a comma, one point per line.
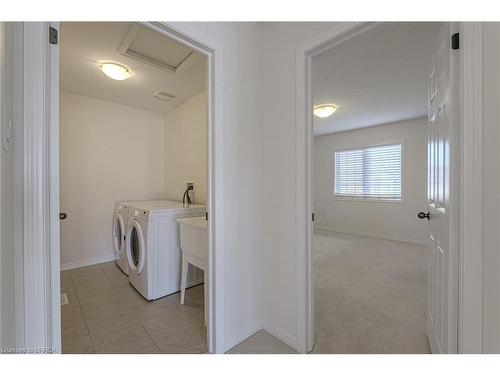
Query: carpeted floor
x=369, y=298
x=369, y=295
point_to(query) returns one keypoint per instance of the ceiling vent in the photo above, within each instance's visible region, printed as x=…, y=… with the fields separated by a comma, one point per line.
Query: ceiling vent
x=153, y=49
x=162, y=95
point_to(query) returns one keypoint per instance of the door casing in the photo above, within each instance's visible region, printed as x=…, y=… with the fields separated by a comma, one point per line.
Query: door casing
x=469, y=236
x=40, y=182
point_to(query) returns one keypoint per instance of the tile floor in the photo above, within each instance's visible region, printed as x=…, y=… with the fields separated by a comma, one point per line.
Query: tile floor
x=106, y=314
x=261, y=343
x=369, y=298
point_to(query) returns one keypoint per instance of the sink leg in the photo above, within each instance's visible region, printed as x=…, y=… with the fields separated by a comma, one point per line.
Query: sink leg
x=184, y=275
x=205, y=295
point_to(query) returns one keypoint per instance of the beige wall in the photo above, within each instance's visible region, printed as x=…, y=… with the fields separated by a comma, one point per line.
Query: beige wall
x=397, y=221
x=108, y=152
x=185, y=149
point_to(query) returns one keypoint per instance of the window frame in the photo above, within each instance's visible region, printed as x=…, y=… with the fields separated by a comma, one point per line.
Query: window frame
x=368, y=199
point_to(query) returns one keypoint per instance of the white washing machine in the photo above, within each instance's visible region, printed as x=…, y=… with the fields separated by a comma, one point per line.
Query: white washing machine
x=119, y=231
x=153, y=248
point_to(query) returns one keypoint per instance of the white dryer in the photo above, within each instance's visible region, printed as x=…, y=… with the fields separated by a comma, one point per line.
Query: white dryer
x=153, y=248
x=120, y=225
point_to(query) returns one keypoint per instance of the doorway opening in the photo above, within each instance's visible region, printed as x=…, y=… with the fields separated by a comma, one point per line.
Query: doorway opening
x=136, y=190
x=374, y=157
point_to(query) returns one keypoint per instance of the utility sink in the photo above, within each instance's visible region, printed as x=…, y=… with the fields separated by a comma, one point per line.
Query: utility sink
x=194, y=237
x=194, y=249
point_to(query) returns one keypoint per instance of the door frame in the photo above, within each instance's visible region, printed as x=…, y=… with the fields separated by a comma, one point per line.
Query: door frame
x=469, y=238
x=470, y=261
x=40, y=184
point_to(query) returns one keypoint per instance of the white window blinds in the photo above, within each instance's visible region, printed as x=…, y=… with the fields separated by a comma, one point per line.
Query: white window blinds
x=371, y=173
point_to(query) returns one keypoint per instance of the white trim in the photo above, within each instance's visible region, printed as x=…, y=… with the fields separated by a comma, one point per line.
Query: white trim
x=270, y=329
x=470, y=319
x=17, y=171
x=304, y=137
x=5, y=131
x=279, y=334
x=242, y=338
x=53, y=186
x=38, y=256
x=318, y=229
x=87, y=262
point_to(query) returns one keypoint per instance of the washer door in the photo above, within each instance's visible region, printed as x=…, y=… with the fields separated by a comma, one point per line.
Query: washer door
x=119, y=236
x=136, y=252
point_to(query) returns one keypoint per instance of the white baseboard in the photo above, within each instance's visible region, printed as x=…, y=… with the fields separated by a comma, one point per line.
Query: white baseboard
x=240, y=339
x=280, y=335
x=269, y=328
x=318, y=228
x=87, y=262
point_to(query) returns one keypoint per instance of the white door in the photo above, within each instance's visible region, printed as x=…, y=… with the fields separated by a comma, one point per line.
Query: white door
x=442, y=196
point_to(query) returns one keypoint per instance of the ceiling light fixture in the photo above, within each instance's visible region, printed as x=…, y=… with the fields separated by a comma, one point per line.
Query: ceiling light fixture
x=115, y=71
x=324, y=110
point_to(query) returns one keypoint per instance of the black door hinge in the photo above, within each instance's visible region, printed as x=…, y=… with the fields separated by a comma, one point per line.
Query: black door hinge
x=455, y=41
x=206, y=216
x=313, y=216
x=53, y=37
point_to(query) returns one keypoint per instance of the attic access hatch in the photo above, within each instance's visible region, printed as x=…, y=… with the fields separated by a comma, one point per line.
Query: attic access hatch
x=151, y=48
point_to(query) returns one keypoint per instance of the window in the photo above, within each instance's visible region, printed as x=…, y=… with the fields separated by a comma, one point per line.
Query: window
x=368, y=173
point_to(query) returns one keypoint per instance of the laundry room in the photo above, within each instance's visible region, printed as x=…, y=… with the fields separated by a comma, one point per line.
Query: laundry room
x=133, y=190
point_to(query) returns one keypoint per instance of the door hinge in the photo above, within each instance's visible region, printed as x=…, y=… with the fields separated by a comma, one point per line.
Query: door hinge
x=206, y=216
x=455, y=41
x=313, y=216
x=53, y=37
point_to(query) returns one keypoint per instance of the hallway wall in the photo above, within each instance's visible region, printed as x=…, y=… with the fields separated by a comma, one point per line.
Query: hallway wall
x=278, y=159
x=239, y=45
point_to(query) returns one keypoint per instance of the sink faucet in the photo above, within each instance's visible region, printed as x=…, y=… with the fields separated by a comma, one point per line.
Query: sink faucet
x=186, y=199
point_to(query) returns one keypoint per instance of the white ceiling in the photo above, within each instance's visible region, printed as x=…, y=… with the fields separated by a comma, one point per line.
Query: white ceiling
x=85, y=43
x=377, y=77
